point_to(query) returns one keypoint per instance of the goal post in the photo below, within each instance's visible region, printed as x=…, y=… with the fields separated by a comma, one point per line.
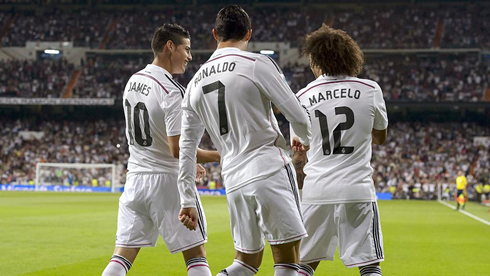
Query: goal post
x=76, y=177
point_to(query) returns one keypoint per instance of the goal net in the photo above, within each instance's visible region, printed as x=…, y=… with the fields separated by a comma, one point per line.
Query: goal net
x=76, y=177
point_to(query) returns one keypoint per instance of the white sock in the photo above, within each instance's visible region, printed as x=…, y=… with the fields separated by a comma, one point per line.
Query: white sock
x=286, y=269
x=305, y=270
x=238, y=268
x=198, y=267
x=370, y=270
x=118, y=266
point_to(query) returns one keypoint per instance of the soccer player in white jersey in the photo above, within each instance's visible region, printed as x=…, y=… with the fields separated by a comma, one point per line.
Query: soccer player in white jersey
x=150, y=203
x=348, y=115
x=231, y=96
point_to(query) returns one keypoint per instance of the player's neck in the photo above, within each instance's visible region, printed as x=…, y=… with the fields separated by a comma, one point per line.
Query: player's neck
x=165, y=64
x=240, y=44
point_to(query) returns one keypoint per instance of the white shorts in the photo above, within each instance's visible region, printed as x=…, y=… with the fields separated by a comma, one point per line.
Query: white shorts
x=149, y=206
x=353, y=226
x=266, y=209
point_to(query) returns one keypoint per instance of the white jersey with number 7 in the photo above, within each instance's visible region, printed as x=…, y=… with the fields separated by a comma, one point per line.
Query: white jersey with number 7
x=231, y=97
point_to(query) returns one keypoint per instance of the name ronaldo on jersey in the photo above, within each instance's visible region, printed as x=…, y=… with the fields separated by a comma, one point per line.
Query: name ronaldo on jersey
x=214, y=69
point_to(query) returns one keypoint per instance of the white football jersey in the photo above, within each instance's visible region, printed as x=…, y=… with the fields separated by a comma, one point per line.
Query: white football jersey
x=230, y=96
x=344, y=111
x=152, y=107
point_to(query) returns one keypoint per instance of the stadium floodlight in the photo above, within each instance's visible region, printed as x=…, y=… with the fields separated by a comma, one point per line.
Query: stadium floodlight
x=76, y=177
x=51, y=52
x=267, y=52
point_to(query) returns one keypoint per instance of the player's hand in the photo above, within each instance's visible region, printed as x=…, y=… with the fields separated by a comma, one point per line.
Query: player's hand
x=200, y=172
x=188, y=217
x=297, y=146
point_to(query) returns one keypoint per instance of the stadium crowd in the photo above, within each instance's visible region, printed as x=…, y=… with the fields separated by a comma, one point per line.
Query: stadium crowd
x=61, y=142
x=401, y=26
x=463, y=30
x=451, y=78
x=454, y=78
x=417, y=157
x=414, y=160
x=82, y=27
x=106, y=78
x=38, y=79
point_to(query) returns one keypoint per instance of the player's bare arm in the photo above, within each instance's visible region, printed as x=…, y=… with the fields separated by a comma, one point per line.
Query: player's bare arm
x=299, y=160
x=203, y=156
x=379, y=136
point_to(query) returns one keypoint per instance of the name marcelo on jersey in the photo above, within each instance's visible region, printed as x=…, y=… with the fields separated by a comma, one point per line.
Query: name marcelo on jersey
x=139, y=88
x=208, y=71
x=335, y=94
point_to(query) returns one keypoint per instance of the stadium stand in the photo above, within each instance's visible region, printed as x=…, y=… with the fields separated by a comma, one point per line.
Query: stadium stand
x=408, y=77
x=411, y=157
x=34, y=78
x=428, y=53
x=421, y=156
x=373, y=27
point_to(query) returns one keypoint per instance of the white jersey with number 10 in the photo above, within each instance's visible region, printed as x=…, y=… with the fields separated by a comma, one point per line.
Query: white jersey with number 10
x=152, y=108
x=344, y=111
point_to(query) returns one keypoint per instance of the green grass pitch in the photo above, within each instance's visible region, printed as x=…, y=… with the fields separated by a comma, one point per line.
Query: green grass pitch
x=73, y=234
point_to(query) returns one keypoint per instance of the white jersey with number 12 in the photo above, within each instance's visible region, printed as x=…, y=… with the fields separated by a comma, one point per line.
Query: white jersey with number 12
x=344, y=111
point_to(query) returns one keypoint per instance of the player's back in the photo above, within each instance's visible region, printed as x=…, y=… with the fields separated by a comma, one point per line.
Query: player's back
x=343, y=111
x=151, y=104
x=237, y=114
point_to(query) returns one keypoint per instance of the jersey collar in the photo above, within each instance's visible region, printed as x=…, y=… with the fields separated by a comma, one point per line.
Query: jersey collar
x=155, y=68
x=330, y=78
x=226, y=49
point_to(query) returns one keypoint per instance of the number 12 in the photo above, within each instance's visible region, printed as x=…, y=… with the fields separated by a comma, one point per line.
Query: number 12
x=337, y=132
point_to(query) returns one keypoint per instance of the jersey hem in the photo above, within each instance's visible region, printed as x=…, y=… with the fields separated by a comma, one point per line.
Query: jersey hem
x=174, y=133
x=326, y=202
x=250, y=181
x=144, y=173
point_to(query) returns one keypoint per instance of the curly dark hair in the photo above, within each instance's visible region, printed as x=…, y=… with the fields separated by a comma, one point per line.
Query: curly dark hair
x=166, y=32
x=334, y=52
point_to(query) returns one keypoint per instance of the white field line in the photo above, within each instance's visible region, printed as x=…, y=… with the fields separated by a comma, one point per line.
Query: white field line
x=465, y=213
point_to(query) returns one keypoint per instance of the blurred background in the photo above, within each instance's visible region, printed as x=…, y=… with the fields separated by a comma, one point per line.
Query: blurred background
x=64, y=65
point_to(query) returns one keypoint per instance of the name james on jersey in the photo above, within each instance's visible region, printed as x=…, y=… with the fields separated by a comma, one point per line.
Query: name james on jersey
x=139, y=88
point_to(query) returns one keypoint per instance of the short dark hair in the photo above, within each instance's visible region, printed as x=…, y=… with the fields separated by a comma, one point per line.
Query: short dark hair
x=166, y=32
x=232, y=22
x=334, y=52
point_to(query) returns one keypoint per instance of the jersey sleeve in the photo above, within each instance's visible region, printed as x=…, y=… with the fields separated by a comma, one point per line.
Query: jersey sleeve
x=380, y=114
x=173, y=112
x=192, y=131
x=271, y=82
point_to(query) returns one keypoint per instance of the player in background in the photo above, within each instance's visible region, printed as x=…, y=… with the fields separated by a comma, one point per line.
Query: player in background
x=461, y=194
x=231, y=96
x=348, y=114
x=150, y=203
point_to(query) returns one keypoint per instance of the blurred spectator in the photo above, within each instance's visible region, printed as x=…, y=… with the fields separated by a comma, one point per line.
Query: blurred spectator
x=38, y=79
x=429, y=78
x=374, y=27
x=417, y=160
x=427, y=157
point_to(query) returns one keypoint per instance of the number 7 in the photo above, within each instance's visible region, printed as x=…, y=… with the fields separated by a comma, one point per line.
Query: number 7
x=223, y=119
